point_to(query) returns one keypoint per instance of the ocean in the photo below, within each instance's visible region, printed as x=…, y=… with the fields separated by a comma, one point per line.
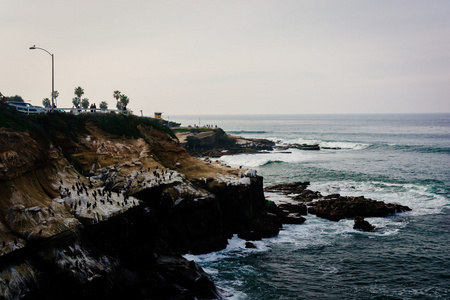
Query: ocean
x=396, y=158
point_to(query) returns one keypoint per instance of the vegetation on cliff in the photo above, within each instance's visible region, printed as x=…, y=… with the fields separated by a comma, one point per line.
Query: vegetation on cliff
x=98, y=205
x=44, y=125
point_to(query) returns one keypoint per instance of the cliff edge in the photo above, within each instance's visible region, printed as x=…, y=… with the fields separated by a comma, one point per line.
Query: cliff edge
x=101, y=205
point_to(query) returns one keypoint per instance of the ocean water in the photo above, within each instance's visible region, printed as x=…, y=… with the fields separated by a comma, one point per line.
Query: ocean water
x=401, y=159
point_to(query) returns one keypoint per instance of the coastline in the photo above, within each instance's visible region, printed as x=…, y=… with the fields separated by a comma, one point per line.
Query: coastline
x=394, y=158
x=89, y=208
x=205, y=187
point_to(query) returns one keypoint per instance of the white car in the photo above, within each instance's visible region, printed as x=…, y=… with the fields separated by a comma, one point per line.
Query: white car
x=27, y=108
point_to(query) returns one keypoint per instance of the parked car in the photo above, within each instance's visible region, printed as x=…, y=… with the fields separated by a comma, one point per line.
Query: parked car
x=27, y=108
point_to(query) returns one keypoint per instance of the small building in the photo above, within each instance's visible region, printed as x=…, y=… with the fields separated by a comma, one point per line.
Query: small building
x=158, y=115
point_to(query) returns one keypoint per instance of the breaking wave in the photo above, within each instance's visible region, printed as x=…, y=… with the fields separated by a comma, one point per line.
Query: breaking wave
x=261, y=159
x=326, y=144
x=248, y=132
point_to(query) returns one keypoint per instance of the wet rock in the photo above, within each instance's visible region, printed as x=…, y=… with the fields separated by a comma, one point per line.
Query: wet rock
x=288, y=188
x=291, y=213
x=250, y=245
x=362, y=224
x=305, y=146
x=293, y=220
x=307, y=196
x=300, y=208
x=337, y=207
x=265, y=225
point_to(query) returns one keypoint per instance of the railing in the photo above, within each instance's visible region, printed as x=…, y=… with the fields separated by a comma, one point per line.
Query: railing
x=40, y=110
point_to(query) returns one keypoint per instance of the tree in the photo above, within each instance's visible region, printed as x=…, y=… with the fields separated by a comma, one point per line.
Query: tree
x=116, y=95
x=46, y=102
x=15, y=98
x=103, y=105
x=124, y=100
x=76, y=101
x=55, y=95
x=79, y=92
x=85, y=103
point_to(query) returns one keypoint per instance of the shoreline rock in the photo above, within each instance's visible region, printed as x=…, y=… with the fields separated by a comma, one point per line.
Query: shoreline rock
x=362, y=224
x=333, y=207
x=215, y=142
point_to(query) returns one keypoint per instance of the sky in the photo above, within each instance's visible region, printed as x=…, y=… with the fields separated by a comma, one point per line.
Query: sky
x=196, y=57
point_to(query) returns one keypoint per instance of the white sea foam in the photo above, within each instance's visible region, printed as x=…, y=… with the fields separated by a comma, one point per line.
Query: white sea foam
x=236, y=247
x=324, y=144
x=317, y=232
x=421, y=201
x=344, y=145
x=260, y=159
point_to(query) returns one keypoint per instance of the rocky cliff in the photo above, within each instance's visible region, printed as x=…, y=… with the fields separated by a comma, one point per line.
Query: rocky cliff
x=100, y=206
x=216, y=142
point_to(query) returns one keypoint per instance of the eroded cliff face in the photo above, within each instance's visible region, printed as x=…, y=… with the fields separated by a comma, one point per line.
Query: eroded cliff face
x=102, y=215
x=215, y=142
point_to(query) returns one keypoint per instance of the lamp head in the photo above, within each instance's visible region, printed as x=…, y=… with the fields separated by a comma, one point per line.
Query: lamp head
x=33, y=47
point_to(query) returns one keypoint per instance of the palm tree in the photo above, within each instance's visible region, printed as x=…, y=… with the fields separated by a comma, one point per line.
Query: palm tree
x=79, y=92
x=116, y=96
x=55, y=95
x=46, y=102
x=76, y=101
x=103, y=105
x=85, y=103
x=124, y=100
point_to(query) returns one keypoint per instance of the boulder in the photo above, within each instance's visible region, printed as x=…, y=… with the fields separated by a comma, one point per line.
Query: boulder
x=362, y=224
x=250, y=245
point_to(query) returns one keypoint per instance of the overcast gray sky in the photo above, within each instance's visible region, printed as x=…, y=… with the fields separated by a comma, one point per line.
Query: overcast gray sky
x=232, y=57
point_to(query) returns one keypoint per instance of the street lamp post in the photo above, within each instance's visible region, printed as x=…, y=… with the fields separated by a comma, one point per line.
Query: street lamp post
x=53, y=74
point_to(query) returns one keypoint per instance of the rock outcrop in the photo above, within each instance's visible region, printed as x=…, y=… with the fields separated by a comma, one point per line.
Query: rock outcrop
x=336, y=207
x=89, y=213
x=333, y=207
x=215, y=142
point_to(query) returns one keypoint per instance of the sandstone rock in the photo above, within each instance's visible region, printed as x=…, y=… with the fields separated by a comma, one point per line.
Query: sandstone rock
x=114, y=234
x=215, y=142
